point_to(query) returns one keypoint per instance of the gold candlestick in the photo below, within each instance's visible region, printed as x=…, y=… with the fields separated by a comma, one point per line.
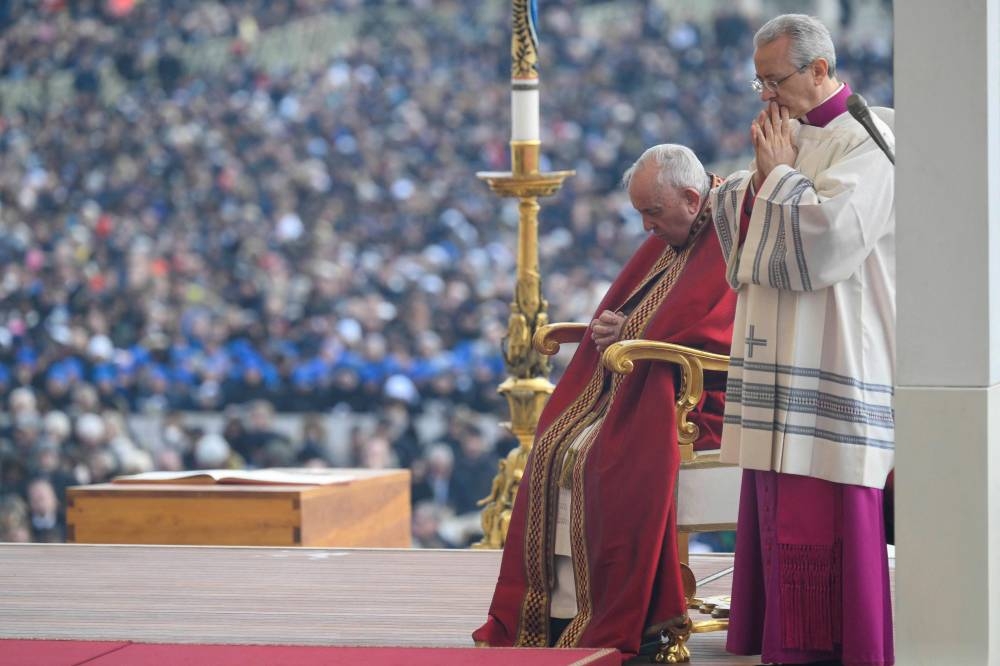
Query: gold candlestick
x=527, y=387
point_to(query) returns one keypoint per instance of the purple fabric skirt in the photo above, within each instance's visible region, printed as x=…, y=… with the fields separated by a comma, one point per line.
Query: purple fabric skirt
x=829, y=540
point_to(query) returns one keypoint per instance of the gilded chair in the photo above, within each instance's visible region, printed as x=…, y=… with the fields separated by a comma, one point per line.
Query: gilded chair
x=707, y=489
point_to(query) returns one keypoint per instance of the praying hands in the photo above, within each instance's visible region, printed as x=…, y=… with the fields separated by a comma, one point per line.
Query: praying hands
x=773, y=144
x=606, y=329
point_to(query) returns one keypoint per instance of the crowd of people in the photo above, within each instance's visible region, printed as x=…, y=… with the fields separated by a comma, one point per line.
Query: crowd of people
x=313, y=239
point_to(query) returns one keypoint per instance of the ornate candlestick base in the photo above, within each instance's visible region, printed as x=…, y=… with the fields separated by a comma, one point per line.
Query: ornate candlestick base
x=526, y=398
x=527, y=388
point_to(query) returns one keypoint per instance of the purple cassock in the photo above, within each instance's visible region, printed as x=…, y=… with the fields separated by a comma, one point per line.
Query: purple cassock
x=812, y=575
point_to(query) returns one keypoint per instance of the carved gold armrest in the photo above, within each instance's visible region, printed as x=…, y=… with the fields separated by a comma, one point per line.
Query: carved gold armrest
x=621, y=357
x=548, y=338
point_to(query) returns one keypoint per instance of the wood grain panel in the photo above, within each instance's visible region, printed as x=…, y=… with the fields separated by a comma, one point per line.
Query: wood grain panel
x=258, y=596
x=372, y=510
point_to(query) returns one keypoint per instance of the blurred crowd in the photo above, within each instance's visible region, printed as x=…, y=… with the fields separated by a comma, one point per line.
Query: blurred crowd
x=256, y=241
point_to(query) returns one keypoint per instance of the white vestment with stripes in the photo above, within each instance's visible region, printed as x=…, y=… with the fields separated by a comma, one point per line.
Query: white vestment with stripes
x=811, y=379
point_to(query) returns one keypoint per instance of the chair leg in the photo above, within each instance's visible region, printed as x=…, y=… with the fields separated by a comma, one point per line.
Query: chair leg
x=673, y=643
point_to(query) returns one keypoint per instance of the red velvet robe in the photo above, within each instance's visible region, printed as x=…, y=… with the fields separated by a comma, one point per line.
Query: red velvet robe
x=629, y=581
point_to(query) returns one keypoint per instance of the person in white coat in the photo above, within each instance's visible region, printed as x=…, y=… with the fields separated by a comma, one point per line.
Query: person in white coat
x=808, y=238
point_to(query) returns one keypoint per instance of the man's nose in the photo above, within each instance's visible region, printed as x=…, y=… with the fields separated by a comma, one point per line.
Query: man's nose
x=766, y=95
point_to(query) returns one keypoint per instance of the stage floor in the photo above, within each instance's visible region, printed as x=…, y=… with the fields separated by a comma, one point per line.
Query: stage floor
x=268, y=596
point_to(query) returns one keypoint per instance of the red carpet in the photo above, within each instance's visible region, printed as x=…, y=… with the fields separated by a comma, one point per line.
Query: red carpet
x=98, y=653
x=52, y=653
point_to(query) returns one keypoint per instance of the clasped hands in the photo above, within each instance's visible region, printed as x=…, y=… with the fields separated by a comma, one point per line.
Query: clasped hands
x=606, y=329
x=773, y=143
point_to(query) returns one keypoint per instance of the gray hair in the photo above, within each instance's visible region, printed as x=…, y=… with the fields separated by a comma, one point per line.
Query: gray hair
x=441, y=453
x=677, y=166
x=809, y=38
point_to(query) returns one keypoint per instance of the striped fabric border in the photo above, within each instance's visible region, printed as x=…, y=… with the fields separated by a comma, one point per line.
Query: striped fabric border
x=769, y=212
x=730, y=189
x=823, y=375
x=800, y=258
x=807, y=401
x=810, y=431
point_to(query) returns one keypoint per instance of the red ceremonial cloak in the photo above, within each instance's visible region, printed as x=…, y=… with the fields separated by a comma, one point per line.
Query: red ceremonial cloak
x=625, y=526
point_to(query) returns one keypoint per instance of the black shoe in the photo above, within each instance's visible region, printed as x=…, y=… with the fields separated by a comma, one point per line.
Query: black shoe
x=649, y=647
x=557, y=625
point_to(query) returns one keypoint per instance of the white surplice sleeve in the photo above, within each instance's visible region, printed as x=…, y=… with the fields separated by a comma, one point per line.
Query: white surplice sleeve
x=812, y=225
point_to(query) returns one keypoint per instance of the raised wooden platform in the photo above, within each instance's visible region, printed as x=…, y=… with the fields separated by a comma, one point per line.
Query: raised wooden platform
x=368, y=508
x=283, y=596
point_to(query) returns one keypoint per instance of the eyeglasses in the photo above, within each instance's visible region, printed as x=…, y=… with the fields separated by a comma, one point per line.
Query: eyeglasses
x=759, y=85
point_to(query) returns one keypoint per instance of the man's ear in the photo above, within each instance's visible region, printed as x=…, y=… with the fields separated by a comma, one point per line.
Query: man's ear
x=693, y=199
x=820, y=69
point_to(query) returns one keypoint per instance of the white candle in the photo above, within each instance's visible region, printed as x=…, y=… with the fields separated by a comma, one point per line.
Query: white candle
x=524, y=114
x=524, y=77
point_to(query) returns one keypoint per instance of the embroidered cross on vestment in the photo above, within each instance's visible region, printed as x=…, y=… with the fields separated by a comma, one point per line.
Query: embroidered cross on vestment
x=752, y=341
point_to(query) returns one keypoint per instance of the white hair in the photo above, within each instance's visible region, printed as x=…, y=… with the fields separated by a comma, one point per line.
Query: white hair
x=442, y=454
x=211, y=450
x=90, y=426
x=677, y=166
x=809, y=39
x=57, y=425
x=22, y=399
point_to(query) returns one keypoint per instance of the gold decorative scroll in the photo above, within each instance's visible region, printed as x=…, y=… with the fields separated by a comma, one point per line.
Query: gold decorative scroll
x=523, y=43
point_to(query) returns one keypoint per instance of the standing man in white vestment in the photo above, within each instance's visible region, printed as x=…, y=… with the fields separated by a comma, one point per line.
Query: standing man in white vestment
x=808, y=239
